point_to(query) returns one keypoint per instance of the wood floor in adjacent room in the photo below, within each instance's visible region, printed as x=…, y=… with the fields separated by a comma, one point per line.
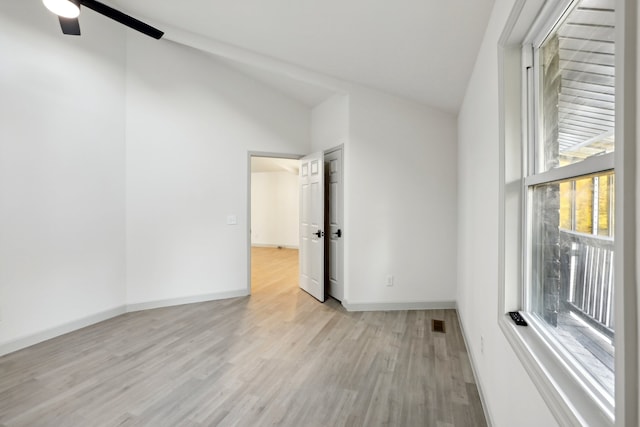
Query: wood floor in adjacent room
x=278, y=357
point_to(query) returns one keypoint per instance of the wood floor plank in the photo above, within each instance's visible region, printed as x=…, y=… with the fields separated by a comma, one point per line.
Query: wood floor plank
x=276, y=358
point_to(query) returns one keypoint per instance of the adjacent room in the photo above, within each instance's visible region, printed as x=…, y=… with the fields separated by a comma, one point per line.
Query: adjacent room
x=275, y=223
x=337, y=213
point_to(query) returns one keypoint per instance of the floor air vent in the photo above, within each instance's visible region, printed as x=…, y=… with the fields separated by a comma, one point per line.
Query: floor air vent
x=437, y=325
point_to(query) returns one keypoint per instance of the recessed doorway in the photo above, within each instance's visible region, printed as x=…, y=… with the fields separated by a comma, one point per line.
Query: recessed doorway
x=274, y=224
x=275, y=185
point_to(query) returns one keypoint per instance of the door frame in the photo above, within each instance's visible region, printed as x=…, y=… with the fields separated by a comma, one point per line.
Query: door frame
x=251, y=154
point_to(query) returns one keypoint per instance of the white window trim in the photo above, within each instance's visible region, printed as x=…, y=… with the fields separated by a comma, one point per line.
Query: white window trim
x=566, y=394
x=588, y=166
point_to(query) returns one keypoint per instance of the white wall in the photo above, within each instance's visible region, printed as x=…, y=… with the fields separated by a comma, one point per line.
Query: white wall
x=330, y=123
x=400, y=201
x=275, y=209
x=190, y=124
x=498, y=368
x=400, y=197
x=62, y=127
x=637, y=239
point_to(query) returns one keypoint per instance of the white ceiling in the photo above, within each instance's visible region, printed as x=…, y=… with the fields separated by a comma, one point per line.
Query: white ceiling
x=420, y=49
x=305, y=93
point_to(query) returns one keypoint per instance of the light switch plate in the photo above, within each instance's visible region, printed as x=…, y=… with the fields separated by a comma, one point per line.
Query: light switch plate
x=232, y=220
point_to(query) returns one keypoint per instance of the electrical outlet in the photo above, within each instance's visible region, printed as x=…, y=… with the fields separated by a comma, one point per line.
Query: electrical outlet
x=389, y=280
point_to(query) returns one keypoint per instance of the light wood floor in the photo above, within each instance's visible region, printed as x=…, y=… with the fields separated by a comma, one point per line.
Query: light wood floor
x=278, y=357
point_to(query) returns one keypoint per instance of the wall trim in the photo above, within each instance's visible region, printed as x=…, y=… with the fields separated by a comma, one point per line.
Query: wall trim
x=269, y=245
x=65, y=328
x=170, y=302
x=395, y=306
x=474, y=371
x=74, y=325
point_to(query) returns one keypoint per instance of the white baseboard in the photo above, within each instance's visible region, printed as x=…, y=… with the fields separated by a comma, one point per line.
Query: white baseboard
x=483, y=401
x=268, y=245
x=20, y=343
x=394, y=306
x=148, y=305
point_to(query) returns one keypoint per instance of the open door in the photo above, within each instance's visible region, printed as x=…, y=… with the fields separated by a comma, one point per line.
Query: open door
x=334, y=215
x=312, y=225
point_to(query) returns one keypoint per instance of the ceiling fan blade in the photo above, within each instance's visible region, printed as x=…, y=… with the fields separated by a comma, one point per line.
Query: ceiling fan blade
x=70, y=26
x=122, y=18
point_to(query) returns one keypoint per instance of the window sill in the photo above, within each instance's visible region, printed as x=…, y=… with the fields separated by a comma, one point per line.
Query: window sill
x=567, y=396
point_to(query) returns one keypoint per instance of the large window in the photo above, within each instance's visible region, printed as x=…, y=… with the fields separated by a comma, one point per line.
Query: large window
x=569, y=187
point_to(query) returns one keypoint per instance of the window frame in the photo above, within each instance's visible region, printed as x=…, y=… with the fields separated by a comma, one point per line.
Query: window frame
x=570, y=400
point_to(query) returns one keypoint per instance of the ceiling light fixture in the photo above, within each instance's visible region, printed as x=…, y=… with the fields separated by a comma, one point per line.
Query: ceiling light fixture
x=64, y=8
x=69, y=10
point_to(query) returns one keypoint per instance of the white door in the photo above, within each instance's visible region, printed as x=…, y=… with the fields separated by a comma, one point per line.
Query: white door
x=312, y=225
x=333, y=165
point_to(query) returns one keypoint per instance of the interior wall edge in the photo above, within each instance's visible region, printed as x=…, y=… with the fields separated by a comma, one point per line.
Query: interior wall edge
x=254, y=59
x=169, y=302
x=396, y=306
x=474, y=370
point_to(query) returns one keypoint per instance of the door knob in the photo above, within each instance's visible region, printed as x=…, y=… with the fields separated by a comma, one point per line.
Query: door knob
x=338, y=233
x=318, y=233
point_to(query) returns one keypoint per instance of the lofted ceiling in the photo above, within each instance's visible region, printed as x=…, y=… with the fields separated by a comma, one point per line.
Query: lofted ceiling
x=419, y=49
x=305, y=93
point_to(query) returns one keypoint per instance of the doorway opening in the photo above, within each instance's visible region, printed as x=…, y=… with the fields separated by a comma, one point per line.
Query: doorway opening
x=273, y=224
x=295, y=226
